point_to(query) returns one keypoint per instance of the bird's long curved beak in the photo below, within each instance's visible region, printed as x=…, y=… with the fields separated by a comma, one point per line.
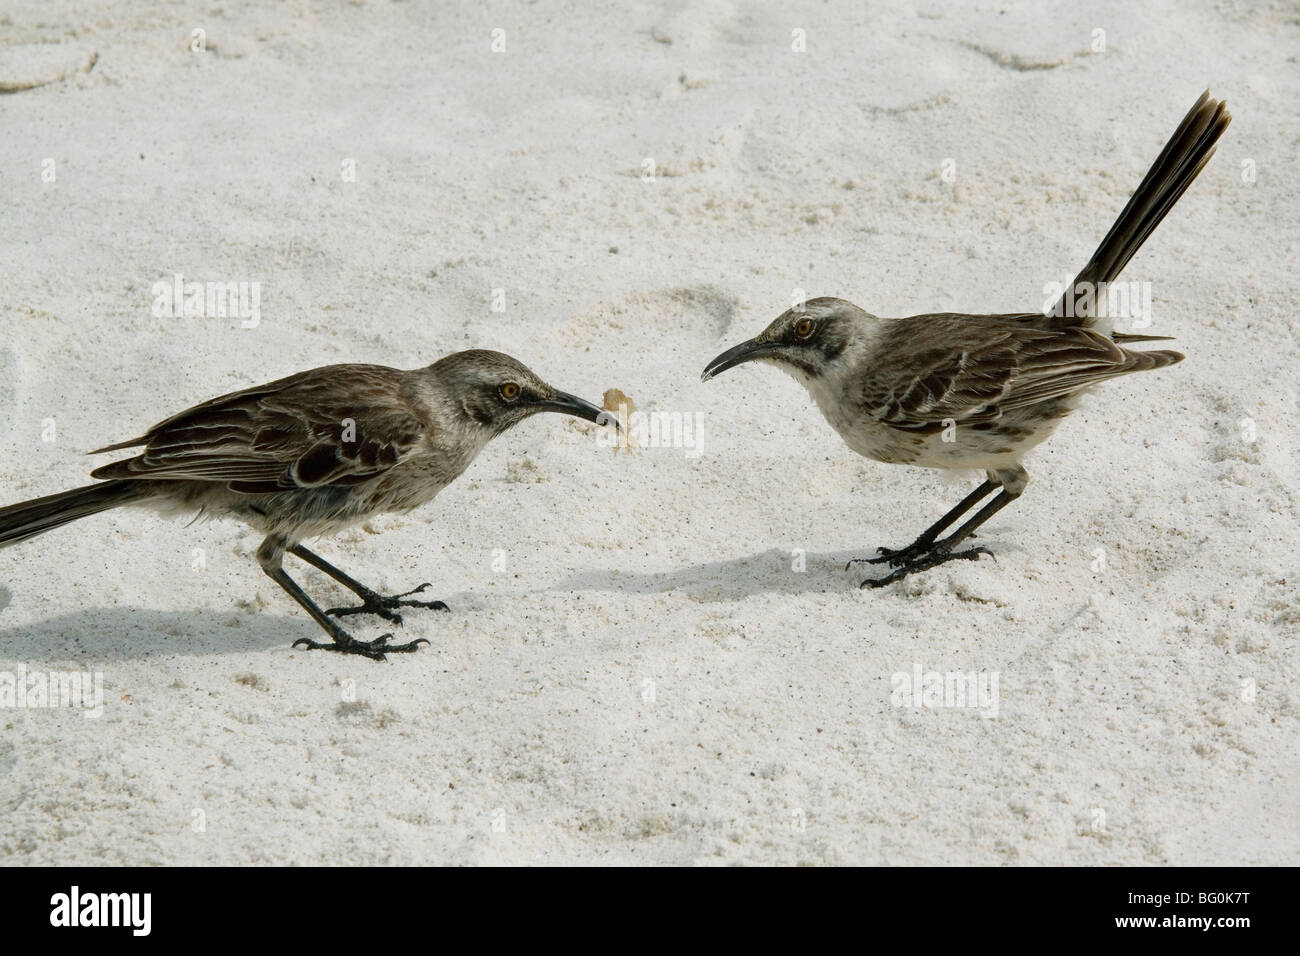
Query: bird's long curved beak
x=578, y=407
x=744, y=352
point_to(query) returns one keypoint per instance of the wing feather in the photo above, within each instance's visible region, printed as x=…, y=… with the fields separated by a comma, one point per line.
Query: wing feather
x=972, y=368
x=337, y=425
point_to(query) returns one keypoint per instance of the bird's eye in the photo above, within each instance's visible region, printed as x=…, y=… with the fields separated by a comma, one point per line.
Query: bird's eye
x=509, y=391
x=804, y=327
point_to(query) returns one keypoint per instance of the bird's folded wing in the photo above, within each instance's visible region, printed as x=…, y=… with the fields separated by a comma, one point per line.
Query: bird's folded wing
x=970, y=369
x=339, y=425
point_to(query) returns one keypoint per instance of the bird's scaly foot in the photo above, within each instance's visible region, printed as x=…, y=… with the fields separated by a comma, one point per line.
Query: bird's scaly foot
x=895, y=557
x=936, y=556
x=383, y=604
x=376, y=650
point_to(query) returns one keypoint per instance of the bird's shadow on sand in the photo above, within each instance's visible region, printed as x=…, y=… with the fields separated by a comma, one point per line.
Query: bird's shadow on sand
x=775, y=571
x=126, y=633
x=133, y=633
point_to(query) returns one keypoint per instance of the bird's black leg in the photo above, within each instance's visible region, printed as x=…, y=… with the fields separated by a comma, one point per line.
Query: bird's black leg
x=270, y=555
x=942, y=551
x=372, y=601
x=925, y=542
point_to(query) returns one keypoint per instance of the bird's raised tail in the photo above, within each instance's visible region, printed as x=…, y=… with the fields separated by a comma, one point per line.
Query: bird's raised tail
x=28, y=518
x=1182, y=159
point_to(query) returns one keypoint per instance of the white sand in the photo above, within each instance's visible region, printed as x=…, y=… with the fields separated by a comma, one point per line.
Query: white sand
x=648, y=680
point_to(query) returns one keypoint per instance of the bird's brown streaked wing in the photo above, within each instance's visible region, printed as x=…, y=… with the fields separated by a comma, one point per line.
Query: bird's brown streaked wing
x=969, y=369
x=229, y=400
x=941, y=367
x=1063, y=367
x=338, y=425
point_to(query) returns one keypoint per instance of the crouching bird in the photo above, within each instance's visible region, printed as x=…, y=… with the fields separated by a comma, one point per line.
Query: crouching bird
x=947, y=390
x=314, y=453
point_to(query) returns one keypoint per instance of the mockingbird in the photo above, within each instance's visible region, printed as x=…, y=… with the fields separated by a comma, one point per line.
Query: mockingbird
x=313, y=453
x=947, y=390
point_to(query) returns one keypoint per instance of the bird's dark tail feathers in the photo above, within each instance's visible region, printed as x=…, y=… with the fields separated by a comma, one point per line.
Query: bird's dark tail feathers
x=1182, y=159
x=28, y=518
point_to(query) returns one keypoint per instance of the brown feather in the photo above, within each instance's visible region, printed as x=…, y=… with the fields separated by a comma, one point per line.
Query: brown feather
x=286, y=434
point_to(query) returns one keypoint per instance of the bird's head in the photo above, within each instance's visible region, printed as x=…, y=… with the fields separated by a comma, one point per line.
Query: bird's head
x=809, y=342
x=497, y=392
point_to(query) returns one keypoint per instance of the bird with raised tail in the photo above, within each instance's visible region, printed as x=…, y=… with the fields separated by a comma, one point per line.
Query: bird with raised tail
x=948, y=390
x=311, y=454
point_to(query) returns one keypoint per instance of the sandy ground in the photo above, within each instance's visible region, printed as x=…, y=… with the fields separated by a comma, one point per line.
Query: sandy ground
x=654, y=656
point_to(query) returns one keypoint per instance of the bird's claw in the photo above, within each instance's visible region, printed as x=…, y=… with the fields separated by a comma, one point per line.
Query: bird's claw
x=382, y=605
x=924, y=562
x=416, y=590
x=895, y=557
x=376, y=650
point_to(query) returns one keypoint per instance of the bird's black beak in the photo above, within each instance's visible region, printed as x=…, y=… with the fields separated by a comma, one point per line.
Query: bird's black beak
x=744, y=352
x=580, y=408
